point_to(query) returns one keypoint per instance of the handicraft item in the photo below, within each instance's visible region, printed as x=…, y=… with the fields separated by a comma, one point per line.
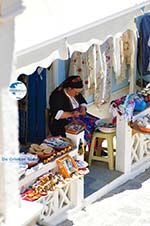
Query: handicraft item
x=67, y=166
x=75, y=127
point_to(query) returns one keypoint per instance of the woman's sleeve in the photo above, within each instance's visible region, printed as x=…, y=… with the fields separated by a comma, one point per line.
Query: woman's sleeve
x=56, y=103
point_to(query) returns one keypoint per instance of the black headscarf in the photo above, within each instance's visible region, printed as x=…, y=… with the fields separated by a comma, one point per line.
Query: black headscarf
x=73, y=81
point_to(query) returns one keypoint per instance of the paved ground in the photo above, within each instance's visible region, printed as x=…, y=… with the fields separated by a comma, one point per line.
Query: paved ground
x=98, y=177
x=128, y=205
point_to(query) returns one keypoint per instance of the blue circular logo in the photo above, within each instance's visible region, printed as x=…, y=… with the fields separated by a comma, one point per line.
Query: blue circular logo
x=18, y=90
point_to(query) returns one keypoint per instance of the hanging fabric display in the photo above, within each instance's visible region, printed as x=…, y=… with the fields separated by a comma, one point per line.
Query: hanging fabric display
x=149, y=56
x=129, y=52
x=124, y=55
x=106, y=49
x=98, y=98
x=36, y=106
x=145, y=34
x=82, y=64
x=90, y=64
x=118, y=49
x=77, y=67
x=95, y=69
x=143, y=54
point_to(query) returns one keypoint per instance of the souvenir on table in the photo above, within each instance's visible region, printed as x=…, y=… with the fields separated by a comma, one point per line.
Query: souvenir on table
x=47, y=182
x=43, y=156
x=128, y=105
x=42, y=148
x=67, y=166
x=59, y=142
x=75, y=127
x=145, y=93
x=42, y=151
x=81, y=164
x=82, y=167
x=28, y=159
x=31, y=195
x=140, y=104
x=142, y=124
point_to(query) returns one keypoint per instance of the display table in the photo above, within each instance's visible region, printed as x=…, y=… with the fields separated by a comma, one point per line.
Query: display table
x=29, y=178
x=61, y=199
x=132, y=148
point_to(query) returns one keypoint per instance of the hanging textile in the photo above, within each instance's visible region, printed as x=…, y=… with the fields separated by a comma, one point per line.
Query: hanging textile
x=90, y=65
x=149, y=56
x=77, y=67
x=129, y=52
x=118, y=48
x=105, y=88
x=36, y=106
x=82, y=64
x=124, y=55
x=143, y=47
x=98, y=97
x=95, y=68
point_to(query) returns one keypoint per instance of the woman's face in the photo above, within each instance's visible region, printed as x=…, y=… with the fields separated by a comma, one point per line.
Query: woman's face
x=73, y=91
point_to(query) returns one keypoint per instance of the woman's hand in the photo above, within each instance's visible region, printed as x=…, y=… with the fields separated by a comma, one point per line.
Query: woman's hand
x=73, y=114
x=82, y=110
x=76, y=114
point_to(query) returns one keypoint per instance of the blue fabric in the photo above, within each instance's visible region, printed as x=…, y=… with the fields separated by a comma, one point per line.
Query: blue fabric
x=143, y=25
x=31, y=136
x=138, y=22
x=36, y=107
x=145, y=29
x=41, y=106
x=89, y=121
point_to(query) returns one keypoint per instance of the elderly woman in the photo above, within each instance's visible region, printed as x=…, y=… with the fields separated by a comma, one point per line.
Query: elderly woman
x=64, y=102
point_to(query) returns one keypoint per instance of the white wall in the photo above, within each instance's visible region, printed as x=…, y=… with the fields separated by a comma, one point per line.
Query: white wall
x=110, y=27
x=9, y=193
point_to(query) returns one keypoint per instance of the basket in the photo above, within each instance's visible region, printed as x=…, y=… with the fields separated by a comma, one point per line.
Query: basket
x=142, y=129
x=43, y=156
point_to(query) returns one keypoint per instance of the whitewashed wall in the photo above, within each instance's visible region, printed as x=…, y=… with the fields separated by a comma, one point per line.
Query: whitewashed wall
x=10, y=204
x=8, y=121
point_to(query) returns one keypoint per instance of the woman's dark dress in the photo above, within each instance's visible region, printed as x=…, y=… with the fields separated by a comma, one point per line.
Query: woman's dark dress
x=60, y=101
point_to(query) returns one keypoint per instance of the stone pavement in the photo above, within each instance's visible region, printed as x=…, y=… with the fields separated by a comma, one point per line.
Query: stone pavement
x=127, y=205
